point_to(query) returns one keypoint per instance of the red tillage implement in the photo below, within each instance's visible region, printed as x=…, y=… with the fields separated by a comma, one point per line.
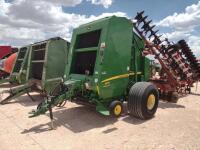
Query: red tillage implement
x=180, y=67
x=6, y=60
x=5, y=51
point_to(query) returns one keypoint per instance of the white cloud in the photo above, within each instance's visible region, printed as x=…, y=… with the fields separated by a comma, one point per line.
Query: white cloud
x=65, y=2
x=194, y=43
x=22, y=33
x=59, y=2
x=176, y=35
x=3, y=7
x=25, y=21
x=183, y=26
x=192, y=40
x=105, y=3
x=37, y=11
x=183, y=21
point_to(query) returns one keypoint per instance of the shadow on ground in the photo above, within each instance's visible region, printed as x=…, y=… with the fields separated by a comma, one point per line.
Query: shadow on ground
x=84, y=118
x=165, y=105
x=77, y=119
x=81, y=119
x=25, y=100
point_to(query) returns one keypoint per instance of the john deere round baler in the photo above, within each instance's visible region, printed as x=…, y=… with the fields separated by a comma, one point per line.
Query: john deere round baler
x=105, y=69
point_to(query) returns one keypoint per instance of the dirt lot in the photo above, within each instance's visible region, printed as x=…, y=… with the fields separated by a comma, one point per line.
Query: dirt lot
x=175, y=126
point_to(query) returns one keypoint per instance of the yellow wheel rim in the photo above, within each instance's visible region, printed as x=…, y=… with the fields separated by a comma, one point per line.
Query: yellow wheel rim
x=151, y=101
x=118, y=110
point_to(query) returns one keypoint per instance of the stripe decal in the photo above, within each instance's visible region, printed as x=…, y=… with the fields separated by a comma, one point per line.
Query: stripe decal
x=98, y=90
x=120, y=76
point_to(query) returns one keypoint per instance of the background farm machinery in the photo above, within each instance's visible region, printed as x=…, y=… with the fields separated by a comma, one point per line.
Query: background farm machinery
x=6, y=60
x=180, y=68
x=37, y=69
x=19, y=67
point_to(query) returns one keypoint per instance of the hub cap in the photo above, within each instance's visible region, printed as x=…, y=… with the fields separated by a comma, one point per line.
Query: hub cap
x=151, y=101
x=117, y=110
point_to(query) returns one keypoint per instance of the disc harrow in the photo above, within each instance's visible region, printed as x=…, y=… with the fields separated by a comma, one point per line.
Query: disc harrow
x=179, y=65
x=192, y=60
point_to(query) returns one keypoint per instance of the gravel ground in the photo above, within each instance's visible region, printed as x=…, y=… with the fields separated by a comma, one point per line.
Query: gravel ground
x=175, y=126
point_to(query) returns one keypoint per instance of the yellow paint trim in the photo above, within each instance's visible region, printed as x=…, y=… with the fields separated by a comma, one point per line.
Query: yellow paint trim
x=98, y=90
x=107, y=83
x=120, y=76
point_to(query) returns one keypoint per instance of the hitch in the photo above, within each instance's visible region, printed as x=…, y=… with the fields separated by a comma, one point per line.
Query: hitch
x=58, y=97
x=50, y=101
x=48, y=104
x=15, y=92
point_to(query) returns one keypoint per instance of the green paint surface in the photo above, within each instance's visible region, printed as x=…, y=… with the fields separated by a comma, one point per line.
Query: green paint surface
x=118, y=55
x=46, y=64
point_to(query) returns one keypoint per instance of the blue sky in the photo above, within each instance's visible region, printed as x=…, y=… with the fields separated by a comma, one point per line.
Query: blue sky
x=26, y=21
x=156, y=9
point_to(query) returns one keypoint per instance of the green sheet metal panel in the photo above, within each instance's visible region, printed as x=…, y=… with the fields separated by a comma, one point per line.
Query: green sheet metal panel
x=56, y=62
x=137, y=61
x=47, y=63
x=116, y=59
x=147, y=69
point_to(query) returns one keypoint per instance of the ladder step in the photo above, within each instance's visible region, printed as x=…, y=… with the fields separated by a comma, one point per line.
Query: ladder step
x=43, y=49
x=20, y=59
x=37, y=61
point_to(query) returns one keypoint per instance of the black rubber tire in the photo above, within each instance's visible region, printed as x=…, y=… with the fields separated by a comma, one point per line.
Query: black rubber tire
x=173, y=97
x=137, y=100
x=112, y=108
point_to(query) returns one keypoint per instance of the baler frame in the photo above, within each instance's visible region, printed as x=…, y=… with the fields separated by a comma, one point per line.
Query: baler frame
x=41, y=78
